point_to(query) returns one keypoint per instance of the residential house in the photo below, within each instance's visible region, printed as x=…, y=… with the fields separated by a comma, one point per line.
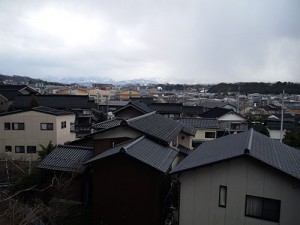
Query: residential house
x=206, y=129
x=208, y=105
x=229, y=121
x=132, y=109
x=169, y=110
x=72, y=91
x=8, y=94
x=23, y=131
x=192, y=111
x=111, y=106
x=156, y=126
x=125, y=95
x=146, y=147
x=101, y=96
x=245, y=178
x=67, y=162
x=130, y=182
x=273, y=124
x=81, y=106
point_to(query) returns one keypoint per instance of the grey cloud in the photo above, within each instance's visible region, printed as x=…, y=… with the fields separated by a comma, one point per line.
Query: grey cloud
x=205, y=41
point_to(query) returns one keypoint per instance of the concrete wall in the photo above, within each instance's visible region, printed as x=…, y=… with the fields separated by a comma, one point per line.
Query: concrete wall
x=199, y=197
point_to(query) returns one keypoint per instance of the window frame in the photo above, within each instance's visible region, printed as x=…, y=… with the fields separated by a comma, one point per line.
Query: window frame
x=7, y=126
x=63, y=124
x=210, y=132
x=29, y=147
x=221, y=200
x=22, y=147
x=47, y=124
x=263, y=214
x=19, y=126
x=235, y=126
x=8, y=148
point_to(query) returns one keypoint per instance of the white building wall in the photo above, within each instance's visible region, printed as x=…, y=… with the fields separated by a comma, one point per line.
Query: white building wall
x=185, y=140
x=275, y=134
x=199, y=197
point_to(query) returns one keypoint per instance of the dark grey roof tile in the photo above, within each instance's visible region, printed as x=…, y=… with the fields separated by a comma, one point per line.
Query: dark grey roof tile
x=251, y=143
x=67, y=158
x=107, y=124
x=145, y=150
x=200, y=122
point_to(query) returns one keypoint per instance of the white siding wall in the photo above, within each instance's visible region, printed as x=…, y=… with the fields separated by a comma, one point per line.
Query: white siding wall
x=199, y=199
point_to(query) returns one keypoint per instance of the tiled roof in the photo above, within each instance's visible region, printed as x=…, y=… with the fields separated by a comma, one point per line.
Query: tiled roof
x=114, y=103
x=215, y=112
x=137, y=105
x=12, y=87
x=250, y=143
x=142, y=106
x=159, y=127
x=196, y=110
x=152, y=125
x=54, y=101
x=184, y=149
x=149, y=152
x=67, y=158
x=51, y=111
x=211, y=105
x=9, y=94
x=200, y=122
x=41, y=109
x=86, y=141
x=166, y=107
x=107, y=124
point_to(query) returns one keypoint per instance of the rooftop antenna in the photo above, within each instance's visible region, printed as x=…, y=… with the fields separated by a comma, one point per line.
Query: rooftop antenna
x=281, y=123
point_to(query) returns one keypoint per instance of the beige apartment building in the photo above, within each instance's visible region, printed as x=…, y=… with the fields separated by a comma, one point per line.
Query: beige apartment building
x=125, y=95
x=22, y=132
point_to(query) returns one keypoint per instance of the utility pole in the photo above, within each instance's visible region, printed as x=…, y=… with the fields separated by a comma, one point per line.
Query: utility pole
x=281, y=123
x=238, y=101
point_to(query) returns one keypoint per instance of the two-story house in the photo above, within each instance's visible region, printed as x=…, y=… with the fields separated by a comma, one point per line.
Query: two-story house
x=23, y=131
x=206, y=129
x=245, y=178
x=229, y=121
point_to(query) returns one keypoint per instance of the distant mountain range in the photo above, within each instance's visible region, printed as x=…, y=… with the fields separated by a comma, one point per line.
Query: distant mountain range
x=243, y=88
x=80, y=81
x=88, y=81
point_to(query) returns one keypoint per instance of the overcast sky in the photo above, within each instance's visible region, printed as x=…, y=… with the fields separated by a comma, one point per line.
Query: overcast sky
x=178, y=41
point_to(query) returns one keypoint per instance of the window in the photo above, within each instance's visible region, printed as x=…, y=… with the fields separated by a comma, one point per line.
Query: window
x=31, y=149
x=18, y=126
x=262, y=208
x=222, y=196
x=8, y=148
x=20, y=149
x=235, y=126
x=46, y=126
x=210, y=135
x=6, y=126
x=63, y=124
x=86, y=112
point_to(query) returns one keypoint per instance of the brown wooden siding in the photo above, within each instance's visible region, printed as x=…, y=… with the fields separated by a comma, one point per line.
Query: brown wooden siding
x=126, y=191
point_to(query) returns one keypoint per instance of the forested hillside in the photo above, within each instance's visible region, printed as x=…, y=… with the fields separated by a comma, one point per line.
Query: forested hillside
x=256, y=87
